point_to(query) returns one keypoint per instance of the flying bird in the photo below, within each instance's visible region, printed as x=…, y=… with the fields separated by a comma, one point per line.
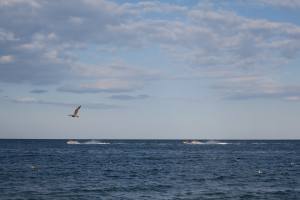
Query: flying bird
x=75, y=114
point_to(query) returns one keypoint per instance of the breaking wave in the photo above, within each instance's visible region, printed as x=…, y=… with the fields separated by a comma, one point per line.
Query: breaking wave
x=216, y=142
x=87, y=142
x=205, y=142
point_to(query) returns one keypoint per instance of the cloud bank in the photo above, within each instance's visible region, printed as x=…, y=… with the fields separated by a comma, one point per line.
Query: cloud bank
x=31, y=100
x=41, y=41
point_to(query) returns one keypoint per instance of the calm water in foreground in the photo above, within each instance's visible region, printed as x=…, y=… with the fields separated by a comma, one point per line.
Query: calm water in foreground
x=149, y=169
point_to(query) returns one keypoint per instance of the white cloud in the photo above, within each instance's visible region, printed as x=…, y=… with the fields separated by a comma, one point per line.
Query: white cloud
x=208, y=40
x=32, y=3
x=6, y=59
x=282, y=3
x=7, y=35
x=152, y=7
x=293, y=98
x=124, y=97
x=109, y=86
x=76, y=20
x=115, y=70
x=31, y=100
x=25, y=100
x=256, y=87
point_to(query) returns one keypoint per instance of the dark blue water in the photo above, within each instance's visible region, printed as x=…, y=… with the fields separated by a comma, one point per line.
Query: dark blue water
x=155, y=169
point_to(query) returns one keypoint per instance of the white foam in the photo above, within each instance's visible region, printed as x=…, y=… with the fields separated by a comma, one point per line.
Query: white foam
x=205, y=142
x=192, y=142
x=94, y=142
x=87, y=142
x=216, y=142
x=72, y=142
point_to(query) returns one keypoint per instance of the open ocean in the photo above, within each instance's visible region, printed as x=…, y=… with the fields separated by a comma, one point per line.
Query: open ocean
x=149, y=169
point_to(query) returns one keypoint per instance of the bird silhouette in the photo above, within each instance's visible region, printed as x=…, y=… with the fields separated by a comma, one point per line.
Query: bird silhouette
x=75, y=114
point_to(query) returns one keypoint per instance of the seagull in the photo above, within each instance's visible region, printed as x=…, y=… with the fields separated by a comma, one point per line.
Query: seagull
x=75, y=114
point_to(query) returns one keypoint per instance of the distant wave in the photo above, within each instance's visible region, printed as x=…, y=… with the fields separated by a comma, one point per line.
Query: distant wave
x=87, y=142
x=216, y=142
x=94, y=142
x=206, y=142
x=259, y=143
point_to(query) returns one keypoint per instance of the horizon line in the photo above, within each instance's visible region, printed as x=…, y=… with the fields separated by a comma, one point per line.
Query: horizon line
x=274, y=139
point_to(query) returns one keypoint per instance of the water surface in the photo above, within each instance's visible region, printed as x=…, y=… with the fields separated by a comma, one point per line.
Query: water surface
x=149, y=169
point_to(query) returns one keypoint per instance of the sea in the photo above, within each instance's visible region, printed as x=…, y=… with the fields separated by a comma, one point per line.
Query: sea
x=149, y=169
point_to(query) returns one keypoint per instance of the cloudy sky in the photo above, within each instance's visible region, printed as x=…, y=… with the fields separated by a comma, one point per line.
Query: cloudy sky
x=150, y=69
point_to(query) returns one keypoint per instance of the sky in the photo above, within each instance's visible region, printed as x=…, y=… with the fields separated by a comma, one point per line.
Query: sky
x=218, y=69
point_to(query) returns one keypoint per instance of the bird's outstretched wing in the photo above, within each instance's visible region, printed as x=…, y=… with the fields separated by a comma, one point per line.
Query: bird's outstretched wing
x=76, y=110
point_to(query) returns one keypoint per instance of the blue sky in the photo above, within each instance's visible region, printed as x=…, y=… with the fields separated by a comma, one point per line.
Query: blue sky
x=150, y=69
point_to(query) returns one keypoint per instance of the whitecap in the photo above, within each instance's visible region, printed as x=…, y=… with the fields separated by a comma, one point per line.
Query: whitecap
x=216, y=142
x=212, y=142
x=94, y=142
x=86, y=142
x=72, y=142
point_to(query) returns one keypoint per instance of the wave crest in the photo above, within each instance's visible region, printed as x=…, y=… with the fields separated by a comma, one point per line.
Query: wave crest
x=212, y=142
x=86, y=142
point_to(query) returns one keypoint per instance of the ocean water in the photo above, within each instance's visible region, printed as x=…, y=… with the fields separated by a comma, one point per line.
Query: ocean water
x=149, y=169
